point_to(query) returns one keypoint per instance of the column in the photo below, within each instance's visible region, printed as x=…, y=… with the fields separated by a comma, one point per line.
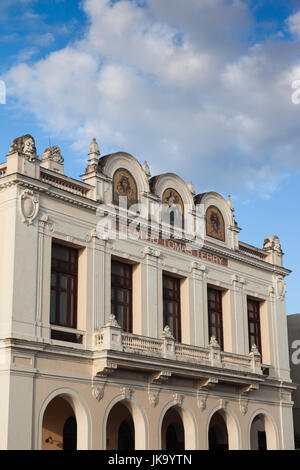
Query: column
x=101, y=280
x=151, y=294
x=198, y=313
x=239, y=323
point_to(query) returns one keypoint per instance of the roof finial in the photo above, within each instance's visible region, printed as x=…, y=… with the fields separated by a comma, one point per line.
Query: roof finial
x=146, y=169
x=94, y=152
x=191, y=188
x=230, y=204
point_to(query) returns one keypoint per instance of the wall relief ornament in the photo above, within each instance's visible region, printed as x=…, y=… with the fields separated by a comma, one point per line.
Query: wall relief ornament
x=98, y=392
x=178, y=398
x=127, y=393
x=281, y=288
x=223, y=404
x=201, y=401
x=29, y=206
x=243, y=406
x=53, y=154
x=24, y=146
x=215, y=226
x=153, y=398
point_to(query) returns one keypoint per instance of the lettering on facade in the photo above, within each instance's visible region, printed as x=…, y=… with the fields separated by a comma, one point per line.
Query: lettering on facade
x=174, y=245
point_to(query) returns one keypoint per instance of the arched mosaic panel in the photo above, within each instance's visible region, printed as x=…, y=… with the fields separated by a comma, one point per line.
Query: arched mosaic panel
x=215, y=226
x=124, y=185
x=173, y=204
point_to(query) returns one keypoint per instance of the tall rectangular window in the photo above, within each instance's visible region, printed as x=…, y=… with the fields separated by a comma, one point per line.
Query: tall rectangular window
x=254, y=323
x=215, y=316
x=121, y=294
x=64, y=266
x=171, y=305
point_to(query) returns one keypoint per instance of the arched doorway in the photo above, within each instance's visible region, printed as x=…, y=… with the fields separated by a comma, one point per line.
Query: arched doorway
x=217, y=433
x=59, y=429
x=262, y=433
x=120, y=431
x=70, y=434
x=173, y=437
x=126, y=435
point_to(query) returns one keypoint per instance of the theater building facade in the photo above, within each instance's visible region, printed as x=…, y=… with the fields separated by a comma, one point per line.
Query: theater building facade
x=115, y=336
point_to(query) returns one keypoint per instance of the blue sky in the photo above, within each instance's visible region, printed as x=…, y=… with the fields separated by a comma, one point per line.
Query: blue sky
x=198, y=87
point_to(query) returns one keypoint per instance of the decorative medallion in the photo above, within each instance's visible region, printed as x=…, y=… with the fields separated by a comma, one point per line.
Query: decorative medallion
x=124, y=185
x=29, y=206
x=215, y=226
x=173, y=208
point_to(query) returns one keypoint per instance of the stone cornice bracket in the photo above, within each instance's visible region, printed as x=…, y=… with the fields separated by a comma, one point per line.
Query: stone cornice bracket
x=127, y=393
x=207, y=384
x=203, y=388
x=45, y=222
x=160, y=377
x=199, y=268
x=107, y=369
x=28, y=206
x=148, y=251
x=238, y=281
x=244, y=392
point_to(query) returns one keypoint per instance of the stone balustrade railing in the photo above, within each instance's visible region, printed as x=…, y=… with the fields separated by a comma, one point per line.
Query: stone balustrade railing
x=111, y=337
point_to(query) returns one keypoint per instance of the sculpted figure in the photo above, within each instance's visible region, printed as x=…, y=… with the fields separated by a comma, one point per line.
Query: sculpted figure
x=24, y=145
x=54, y=154
x=272, y=243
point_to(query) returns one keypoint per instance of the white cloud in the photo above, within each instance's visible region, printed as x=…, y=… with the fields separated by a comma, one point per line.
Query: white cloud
x=293, y=23
x=173, y=83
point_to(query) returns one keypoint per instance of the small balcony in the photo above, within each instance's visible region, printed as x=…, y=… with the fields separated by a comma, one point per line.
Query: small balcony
x=116, y=349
